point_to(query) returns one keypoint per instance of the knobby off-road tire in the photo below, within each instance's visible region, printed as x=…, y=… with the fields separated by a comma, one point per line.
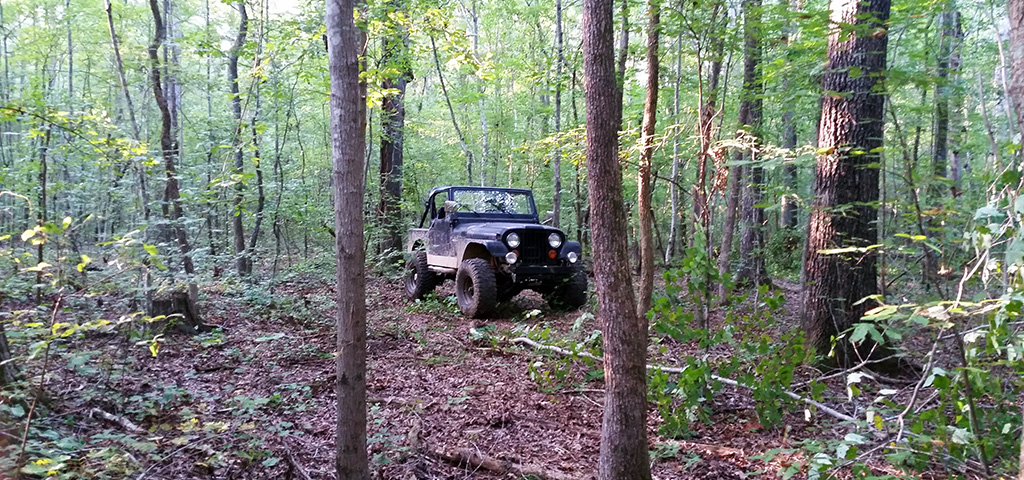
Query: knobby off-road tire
x=570, y=293
x=419, y=280
x=475, y=288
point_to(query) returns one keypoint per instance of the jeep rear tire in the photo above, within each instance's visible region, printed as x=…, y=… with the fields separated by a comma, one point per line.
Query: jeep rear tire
x=476, y=288
x=419, y=280
x=569, y=294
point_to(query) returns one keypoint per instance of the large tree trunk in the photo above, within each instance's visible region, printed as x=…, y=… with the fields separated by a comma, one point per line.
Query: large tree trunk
x=242, y=263
x=624, y=425
x=348, y=126
x=389, y=208
x=1017, y=58
x=645, y=212
x=844, y=212
x=751, y=267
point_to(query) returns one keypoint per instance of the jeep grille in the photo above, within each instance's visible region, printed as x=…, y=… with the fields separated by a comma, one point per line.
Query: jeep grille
x=534, y=248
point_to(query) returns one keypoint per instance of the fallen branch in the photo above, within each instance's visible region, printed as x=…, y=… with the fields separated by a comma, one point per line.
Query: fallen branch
x=116, y=420
x=297, y=467
x=568, y=353
x=716, y=450
x=465, y=457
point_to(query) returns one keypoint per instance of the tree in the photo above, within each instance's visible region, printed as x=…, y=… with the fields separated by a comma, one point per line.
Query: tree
x=348, y=142
x=624, y=424
x=172, y=208
x=395, y=57
x=242, y=261
x=751, y=266
x=1017, y=58
x=841, y=267
x=645, y=212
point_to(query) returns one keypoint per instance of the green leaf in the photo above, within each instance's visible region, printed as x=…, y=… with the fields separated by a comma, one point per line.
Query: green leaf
x=151, y=249
x=1015, y=252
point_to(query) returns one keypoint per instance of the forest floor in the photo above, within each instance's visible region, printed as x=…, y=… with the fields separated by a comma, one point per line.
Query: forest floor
x=255, y=397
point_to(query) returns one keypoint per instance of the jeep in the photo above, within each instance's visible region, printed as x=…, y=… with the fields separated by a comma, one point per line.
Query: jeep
x=490, y=241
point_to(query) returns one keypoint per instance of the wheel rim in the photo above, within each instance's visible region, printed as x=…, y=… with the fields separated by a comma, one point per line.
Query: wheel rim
x=411, y=279
x=466, y=291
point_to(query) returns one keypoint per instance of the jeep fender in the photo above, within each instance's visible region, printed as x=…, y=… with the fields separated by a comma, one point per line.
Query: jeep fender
x=571, y=246
x=417, y=239
x=486, y=250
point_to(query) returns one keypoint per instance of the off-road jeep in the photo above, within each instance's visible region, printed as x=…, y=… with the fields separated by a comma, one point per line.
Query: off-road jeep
x=489, y=240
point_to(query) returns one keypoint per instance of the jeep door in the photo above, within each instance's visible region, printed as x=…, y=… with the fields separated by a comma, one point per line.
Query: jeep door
x=439, y=235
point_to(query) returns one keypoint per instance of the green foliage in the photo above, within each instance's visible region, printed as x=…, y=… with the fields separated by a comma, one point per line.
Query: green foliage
x=432, y=303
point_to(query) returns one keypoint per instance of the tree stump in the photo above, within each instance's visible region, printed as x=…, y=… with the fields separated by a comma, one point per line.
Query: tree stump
x=179, y=309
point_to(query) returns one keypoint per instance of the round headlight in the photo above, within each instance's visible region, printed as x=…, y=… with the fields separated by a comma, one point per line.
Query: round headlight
x=555, y=240
x=511, y=257
x=572, y=257
x=513, y=240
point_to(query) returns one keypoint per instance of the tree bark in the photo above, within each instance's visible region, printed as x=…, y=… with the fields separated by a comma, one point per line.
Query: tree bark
x=844, y=211
x=790, y=207
x=242, y=263
x=348, y=126
x=8, y=369
x=389, y=207
x=644, y=212
x=624, y=424
x=172, y=198
x=1016, y=88
x=556, y=161
x=751, y=267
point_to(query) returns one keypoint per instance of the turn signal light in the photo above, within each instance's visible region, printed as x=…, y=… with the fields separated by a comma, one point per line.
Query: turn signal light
x=552, y=254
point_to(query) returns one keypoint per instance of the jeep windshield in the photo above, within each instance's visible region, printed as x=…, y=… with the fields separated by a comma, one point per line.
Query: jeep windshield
x=494, y=202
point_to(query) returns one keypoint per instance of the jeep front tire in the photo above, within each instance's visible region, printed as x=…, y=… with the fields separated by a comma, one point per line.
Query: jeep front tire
x=476, y=288
x=419, y=280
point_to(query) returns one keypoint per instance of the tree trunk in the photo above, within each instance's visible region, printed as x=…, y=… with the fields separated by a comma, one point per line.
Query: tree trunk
x=261, y=198
x=707, y=103
x=751, y=267
x=1016, y=88
x=673, y=187
x=644, y=212
x=790, y=207
x=389, y=208
x=44, y=149
x=623, y=53
x=556, y=161
x=943, y=91
x=481, y=104
x=172, y=197
x=451, y=111
x=732, y=204
x=624, y=424
x=242, y=262
x=348, y=126
x=8, y=369
x=844, y=212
